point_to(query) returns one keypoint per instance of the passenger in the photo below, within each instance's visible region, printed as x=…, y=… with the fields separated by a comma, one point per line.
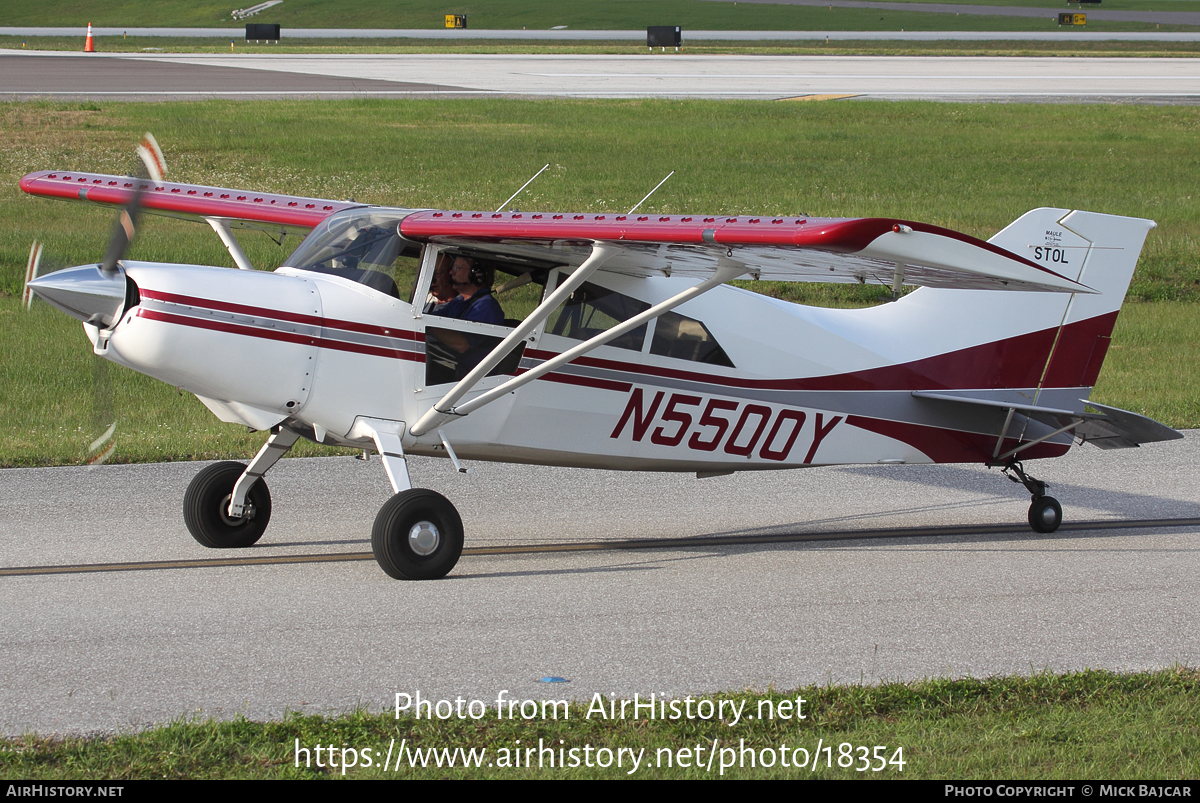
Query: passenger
x=441, y=290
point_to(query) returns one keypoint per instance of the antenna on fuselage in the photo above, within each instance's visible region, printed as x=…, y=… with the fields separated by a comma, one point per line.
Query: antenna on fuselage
x=656, y=186
x=523, y=186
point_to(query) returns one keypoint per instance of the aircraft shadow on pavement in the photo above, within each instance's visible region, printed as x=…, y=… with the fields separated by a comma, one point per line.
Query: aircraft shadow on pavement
x=1112, y=500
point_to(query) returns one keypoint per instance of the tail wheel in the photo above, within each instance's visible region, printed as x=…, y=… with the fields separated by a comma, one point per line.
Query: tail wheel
x=418, y=535
x=206, y=508
x=1045, y=514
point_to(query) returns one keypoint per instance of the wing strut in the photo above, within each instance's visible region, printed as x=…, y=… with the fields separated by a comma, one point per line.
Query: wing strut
x=441, y=412
x=221, y=226
x=727, y=270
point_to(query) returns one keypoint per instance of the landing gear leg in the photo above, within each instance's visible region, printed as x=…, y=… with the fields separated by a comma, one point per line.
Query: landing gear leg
x=1045, y=513
x=277, y=446
x=227, y=505
x=418, y=535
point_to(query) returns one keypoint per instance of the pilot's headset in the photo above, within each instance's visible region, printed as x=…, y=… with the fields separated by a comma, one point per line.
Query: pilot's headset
x=481, y=275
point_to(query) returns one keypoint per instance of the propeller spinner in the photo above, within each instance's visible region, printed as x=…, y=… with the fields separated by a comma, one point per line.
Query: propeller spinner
x=98, y=294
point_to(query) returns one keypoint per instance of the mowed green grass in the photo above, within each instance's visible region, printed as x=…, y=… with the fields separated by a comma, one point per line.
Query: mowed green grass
x=1087, y=725
x=972, y=168
x=544, y=14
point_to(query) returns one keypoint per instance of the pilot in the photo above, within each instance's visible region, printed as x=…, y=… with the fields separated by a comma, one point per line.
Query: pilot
x=475, y=301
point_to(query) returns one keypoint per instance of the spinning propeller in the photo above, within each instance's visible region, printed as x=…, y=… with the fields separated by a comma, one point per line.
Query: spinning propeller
x=98, y=294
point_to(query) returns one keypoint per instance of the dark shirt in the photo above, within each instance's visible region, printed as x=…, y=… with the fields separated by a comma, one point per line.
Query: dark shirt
x=481, y=307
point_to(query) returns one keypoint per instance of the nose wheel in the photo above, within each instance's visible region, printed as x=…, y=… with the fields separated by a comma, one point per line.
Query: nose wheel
x=1045, y=513
x=418, y=535
x=206, y=508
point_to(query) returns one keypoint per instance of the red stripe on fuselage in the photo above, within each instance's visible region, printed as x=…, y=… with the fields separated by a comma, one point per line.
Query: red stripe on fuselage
x=584, y=381
x=939, y=444
x=1014, y=362
x=951, y=445
x=293, y=317
x=270, y=334
x=1080, y=352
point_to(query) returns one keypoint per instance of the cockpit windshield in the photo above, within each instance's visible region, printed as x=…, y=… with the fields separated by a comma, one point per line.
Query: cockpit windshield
x=363, y=245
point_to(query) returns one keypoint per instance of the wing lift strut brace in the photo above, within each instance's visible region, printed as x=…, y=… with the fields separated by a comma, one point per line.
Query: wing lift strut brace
x=447, y=408
x=221, y=226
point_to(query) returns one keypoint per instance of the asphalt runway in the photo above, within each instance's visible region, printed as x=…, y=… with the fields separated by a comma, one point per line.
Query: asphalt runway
x=163, y=77
x=766, y=579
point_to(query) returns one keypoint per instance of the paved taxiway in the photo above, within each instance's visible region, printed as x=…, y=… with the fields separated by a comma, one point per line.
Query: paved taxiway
x=104, y=650
x=159, y=77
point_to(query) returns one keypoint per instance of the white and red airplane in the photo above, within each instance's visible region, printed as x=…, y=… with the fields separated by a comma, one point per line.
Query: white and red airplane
x=637, y=354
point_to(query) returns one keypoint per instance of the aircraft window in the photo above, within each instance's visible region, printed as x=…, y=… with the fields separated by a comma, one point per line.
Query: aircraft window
x=591, y=310
x=519, y=289
x=363, y=246
x=516, y=287
x=685, y=338
x=451, y=354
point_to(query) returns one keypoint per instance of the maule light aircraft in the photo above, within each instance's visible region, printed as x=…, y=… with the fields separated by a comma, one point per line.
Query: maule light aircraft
x=633, y=351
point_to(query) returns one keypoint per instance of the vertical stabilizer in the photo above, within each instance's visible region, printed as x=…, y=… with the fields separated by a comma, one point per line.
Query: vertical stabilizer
x=1100, y=251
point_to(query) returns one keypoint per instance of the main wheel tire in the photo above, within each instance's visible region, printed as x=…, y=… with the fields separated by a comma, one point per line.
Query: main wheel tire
x=1045, y=514
x=206, y=506
x=418, y=535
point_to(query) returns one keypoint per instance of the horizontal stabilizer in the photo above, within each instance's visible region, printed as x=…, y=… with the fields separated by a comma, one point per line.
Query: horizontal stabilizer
x=1110, y=428
x=1115, y=428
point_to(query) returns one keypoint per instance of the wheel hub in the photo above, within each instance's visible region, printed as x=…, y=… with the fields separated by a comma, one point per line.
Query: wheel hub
x=230, y=520
x=423, y=538
x=1048, y=515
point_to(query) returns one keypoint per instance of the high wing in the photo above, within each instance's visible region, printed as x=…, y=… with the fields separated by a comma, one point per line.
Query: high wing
x=847, y=250
x=239, y=208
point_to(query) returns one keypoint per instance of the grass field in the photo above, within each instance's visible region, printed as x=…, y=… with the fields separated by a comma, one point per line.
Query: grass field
x=1089, y=725
x=544, y=14
x=969, y=167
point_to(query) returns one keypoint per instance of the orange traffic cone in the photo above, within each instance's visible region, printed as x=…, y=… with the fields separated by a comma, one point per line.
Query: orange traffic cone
x=88, y=47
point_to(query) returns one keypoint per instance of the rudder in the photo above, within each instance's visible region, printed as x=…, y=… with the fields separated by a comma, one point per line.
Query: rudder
x=1099, y=251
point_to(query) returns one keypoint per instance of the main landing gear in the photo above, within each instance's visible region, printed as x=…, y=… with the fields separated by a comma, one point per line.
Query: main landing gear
x=1045, y=513
x=418, y=535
